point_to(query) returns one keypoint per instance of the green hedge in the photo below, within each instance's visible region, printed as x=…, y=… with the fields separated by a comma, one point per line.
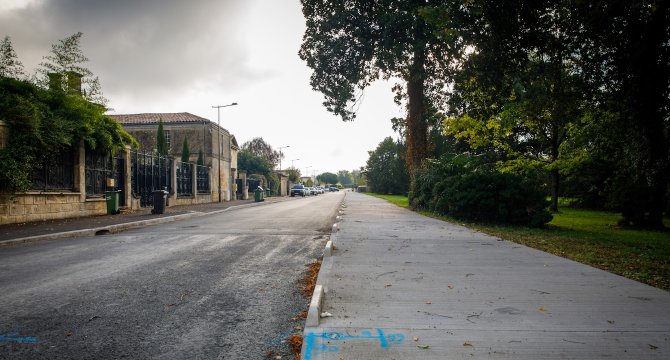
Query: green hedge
x=469, y=188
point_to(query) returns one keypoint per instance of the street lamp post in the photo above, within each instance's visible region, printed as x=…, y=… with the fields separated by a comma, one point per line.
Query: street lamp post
x=293, y=161
x=218, y=124
x=307, y=170
x=280, y=154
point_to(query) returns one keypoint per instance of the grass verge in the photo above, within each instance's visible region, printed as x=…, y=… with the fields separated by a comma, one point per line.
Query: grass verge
x=589, y=237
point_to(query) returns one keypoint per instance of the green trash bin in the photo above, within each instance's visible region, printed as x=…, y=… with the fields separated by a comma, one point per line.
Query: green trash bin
x=258, y=194
x=112, y=198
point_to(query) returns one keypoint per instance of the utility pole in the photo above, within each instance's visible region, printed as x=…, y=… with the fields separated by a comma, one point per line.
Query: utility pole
x=218, y=141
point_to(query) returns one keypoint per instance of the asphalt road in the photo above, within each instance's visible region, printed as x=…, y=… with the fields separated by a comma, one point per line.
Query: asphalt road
x=217, y=287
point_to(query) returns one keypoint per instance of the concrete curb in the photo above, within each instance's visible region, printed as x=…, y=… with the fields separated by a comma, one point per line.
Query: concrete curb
x=314, y=311
x=328, y=251
x=121, y=227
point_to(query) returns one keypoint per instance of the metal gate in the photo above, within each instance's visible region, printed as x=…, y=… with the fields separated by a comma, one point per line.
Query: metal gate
x=98, y=168
x=149, y=172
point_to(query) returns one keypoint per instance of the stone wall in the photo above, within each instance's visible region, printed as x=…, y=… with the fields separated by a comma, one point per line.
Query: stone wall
x=39, y=206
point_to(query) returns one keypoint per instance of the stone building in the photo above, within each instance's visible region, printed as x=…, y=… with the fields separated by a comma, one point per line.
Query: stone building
x=219, y=147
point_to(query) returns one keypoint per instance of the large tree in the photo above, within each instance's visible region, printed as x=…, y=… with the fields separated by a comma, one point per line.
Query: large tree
x=521, y=107
x=350, y=44
x=64, y=67
x=385, y=169
x=259, y=147
x=10, y=66
x=625, y=57
x=327, y=178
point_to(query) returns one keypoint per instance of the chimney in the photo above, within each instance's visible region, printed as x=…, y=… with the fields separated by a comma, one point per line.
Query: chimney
x=74, y=81
x=55, y=81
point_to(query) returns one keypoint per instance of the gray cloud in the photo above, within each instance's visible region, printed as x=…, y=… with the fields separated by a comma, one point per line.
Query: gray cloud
x=140, y=47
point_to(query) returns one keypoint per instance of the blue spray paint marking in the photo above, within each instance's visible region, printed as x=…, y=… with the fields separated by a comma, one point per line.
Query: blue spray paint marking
x=14, y=336
x=311, y=338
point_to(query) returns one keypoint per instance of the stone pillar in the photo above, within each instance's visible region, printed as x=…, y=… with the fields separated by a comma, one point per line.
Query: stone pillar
x=173, y=182
x=245, y=191
x=234, y=183
x=194, y=180
x=127, y=181
x=80, y=172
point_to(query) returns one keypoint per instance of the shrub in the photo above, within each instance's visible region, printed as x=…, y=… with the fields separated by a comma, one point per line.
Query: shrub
x=468, y=188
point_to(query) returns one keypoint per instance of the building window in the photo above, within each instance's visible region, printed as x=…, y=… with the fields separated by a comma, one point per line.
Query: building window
x=167, y=138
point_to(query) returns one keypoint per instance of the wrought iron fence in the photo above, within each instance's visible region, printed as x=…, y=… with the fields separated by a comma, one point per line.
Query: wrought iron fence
x=149, y=172
x=202, y=179
x=100, y=167
x=184, y=179
x=54, y=172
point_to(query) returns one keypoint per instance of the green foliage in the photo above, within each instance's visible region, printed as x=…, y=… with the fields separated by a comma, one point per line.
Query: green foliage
x=161, y=141
x=66, y=61
x=385, y=170
x=10, y=66
x=344, y=178
x=201, y=158
x=471, y=188
x=44, y=122
x=257, y=166
x=350, y=44
x=293, y=174
x=185, y=152
x=327, y=178
x=258, y=147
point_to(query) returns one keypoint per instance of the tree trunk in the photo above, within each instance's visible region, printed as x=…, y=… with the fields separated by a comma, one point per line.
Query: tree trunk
x=649, y=84
x=416, y=126
x=416, y=134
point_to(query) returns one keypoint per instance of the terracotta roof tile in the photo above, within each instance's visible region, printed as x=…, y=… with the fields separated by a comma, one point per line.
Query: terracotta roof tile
x=152, y=118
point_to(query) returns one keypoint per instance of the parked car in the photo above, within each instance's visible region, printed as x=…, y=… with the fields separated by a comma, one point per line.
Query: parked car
x=298, y=190
x=332, y=188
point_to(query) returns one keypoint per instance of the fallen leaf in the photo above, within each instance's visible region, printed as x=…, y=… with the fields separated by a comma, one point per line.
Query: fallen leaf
x=429, y=302
x=423, y=346
x=326, y=314
x=388, y=285
x=68, y=333
x=541, y=308
x=450, y=286
x=415, y=338
x=467, y=343
x=610, y=321
x=652, y=347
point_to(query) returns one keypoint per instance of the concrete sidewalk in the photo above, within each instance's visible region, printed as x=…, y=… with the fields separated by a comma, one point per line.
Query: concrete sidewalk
x=403, y=286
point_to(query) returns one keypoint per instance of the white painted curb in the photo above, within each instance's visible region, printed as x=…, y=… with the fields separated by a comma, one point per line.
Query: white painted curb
x=315, y=307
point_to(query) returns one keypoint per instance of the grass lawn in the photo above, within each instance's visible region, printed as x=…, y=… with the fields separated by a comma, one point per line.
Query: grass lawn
x=590, y=237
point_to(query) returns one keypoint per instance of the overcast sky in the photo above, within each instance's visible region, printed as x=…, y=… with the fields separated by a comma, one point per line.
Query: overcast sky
x=185, y=56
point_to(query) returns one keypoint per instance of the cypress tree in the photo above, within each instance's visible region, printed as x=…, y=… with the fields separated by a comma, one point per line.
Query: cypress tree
x=185, y=153
x=161, y=142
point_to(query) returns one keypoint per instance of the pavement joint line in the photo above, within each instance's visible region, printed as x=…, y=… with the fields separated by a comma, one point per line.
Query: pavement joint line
x=115, y=228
